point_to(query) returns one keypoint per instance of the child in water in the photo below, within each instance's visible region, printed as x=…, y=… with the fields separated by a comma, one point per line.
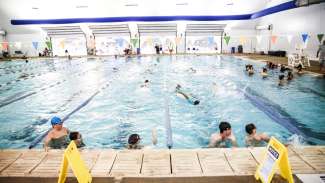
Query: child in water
x=76, y=137
x=254, y=139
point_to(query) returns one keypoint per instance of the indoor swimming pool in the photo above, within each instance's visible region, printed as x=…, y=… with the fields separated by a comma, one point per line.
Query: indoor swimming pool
x=104, y=99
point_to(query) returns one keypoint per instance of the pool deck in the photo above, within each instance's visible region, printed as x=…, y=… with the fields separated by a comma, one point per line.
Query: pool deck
x=156, y=165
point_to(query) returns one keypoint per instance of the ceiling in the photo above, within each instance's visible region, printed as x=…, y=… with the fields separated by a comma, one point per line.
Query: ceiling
x=58, y=9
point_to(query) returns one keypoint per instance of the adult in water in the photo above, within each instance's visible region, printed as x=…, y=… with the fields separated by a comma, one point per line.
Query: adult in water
x=224, y=138
x=254, y=139
x=134, y=142
x=321, y=53
x=58, y=137
x=189, y=98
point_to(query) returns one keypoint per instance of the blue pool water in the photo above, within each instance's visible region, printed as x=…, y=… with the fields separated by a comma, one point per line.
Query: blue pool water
x=226, y=93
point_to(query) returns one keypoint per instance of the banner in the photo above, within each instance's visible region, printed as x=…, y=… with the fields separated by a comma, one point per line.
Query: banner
x=304, y=38
x=274, y=39
x=289, y=38
x=35, y=45
x=320, y=37
x=242, y=40
x=227, y=39
x=49, y=45
x=259, y=39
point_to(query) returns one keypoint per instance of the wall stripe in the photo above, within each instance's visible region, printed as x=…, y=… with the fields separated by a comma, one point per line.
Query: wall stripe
x=275, y=9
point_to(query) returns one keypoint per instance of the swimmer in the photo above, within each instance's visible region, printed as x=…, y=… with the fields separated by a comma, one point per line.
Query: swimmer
x=189, y=98
x=250, y=69
x=289, y=76
x=223, y=139
x=264, y=73
x=281, y=80
x=76, y=137
x=146, y=84
x=26, y=61
x=24, y=75
x=134, y=142
x=115, y=69
x=254, y=139
x=191, y=70
x=57, y=138
x=299, y=69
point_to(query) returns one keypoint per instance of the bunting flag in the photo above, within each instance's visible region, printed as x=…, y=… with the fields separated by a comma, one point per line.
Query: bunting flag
x=18, y=45
x=178, y=40
x=289, y=38
x=274, y=39
x=320, y=37
x=259, y=39
x=4, y=45
x=0, y=47
x=227, y=39
x=119, y=42
x=49, y=45
x=62, y=44
x=135, y=42
x=304, y=38
x=210, y=40
x=35, y=45
x=149, y=41
x=242, y=40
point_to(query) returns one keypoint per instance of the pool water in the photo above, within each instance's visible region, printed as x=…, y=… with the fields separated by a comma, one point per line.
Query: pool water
x=104, y=100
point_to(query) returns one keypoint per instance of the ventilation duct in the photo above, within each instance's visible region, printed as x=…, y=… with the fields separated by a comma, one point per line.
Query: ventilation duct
x=308, y=2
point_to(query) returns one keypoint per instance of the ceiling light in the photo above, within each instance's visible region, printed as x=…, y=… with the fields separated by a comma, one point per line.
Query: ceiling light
x=35, y=8
x=131, y=4
x=181, y=4
x=81, y=6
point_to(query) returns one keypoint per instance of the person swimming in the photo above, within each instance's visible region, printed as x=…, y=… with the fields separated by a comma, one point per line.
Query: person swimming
x=146, y=84
x=57, y=138
x=224, y=138
x=134, y=142
x=189, y=98
x=281, y=80
x=77, y=138
x=264, y=73
x=289, y=76
x=254, y=139
x=250, y=69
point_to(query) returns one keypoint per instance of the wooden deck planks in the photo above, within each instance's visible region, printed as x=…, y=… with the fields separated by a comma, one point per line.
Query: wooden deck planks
x=156, y=163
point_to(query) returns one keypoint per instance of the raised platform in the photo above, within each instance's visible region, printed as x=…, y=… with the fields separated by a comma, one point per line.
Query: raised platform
x=197, y=165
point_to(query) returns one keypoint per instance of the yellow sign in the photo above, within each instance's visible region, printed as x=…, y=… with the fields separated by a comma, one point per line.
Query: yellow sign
x=72, y=157
x=276, y=156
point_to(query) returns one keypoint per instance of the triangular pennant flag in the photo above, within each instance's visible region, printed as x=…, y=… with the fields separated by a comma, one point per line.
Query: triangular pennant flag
x=259, y=39
x=227, y=39
x=320, y=37
x=62, y=44
x=135, y=42
x=274, y=39
x=149, y=41
x=0, y=47
x=210, y=40
x=304, y=37
x=5, y=45
x=242, y=40
x=18, y=45
x=119, y=42
x=178, y=40
x=35, y=45
x=48, y=44
x=289, y=38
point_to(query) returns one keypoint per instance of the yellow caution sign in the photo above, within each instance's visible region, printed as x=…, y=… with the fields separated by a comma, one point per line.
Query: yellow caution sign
x=72, y=157
x=276, y=156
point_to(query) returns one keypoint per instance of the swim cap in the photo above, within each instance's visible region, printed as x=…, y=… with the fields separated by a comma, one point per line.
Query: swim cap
x=56, y=120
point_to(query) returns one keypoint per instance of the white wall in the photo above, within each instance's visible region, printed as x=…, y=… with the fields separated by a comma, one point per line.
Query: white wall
x=247, y=38
x=294, y=22
x=25, y=40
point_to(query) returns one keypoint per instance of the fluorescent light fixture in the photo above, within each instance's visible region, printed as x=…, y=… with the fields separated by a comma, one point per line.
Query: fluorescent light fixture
x=81, y=6
x=35, y=8
x=181, y=4
x=134, y=4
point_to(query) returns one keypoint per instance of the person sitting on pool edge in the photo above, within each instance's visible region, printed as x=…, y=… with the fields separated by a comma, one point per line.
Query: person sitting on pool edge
x=254, y=139
x=57, y=138
x=134, y=142
x=264, y=73
x=189, y=98
x=223, y=139
x=76, y=137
